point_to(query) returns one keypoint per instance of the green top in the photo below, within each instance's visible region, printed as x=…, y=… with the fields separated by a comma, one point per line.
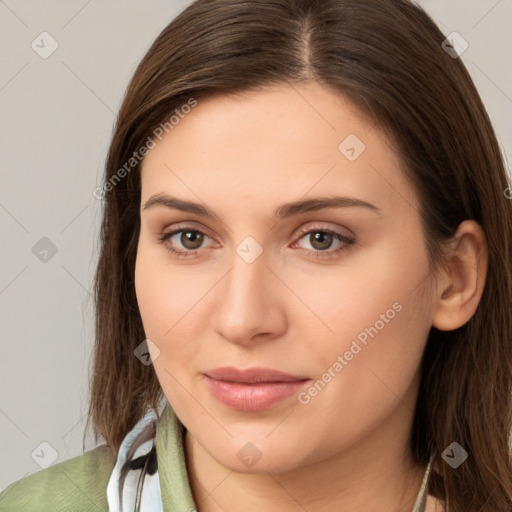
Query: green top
x=80, y=484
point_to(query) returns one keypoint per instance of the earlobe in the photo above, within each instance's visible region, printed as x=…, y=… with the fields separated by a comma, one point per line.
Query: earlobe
x=463, y=281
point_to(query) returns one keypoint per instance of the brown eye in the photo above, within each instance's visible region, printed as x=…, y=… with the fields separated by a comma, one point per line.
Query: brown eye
x=323, y=242
x=320, y=240
x=185, y=241
x=191, y=239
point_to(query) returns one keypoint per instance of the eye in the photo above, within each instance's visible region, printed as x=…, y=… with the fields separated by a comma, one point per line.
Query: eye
x=321, y=240
x=184, y=241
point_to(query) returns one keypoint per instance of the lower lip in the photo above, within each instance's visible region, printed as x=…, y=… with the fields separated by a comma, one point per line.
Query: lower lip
x=253, y=397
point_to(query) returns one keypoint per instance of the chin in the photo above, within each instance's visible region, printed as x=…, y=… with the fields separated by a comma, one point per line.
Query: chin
x=257, y=456
x=274, y=463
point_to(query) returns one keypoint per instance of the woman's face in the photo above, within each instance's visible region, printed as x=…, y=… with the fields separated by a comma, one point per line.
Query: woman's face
x=300, y=251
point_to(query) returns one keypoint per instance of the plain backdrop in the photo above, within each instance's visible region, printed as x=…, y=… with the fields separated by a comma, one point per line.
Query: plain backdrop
x=57, y=117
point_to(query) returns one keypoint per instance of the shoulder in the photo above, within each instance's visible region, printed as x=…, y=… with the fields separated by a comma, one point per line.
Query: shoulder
x=78, y=484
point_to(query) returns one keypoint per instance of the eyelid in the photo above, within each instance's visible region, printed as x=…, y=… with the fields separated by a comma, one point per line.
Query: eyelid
x=188, y=226
x=319, y=226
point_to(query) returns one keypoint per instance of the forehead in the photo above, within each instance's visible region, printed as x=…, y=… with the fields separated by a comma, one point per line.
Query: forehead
x=285, y=140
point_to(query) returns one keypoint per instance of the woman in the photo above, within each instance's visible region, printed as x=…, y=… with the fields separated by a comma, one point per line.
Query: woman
x=307, y=233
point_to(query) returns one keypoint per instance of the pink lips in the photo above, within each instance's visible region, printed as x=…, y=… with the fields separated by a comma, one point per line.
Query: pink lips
x=254, y=389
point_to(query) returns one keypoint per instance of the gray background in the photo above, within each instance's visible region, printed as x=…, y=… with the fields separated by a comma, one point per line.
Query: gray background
x=57, y=116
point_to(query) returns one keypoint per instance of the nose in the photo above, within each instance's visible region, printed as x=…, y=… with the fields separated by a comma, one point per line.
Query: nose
x=251, y=303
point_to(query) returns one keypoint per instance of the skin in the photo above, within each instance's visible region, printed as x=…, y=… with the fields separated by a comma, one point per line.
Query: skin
x=242, y=157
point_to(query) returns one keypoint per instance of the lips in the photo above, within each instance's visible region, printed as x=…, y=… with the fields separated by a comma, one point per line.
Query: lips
x=253, y=389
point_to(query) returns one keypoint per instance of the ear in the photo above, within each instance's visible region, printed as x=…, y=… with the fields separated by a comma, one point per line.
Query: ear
x=460, y=288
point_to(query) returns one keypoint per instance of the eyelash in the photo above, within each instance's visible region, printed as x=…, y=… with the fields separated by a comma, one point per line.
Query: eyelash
x=163, y=237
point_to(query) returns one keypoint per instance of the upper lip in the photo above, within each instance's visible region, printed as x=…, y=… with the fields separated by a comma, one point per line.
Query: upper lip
x=251, y=375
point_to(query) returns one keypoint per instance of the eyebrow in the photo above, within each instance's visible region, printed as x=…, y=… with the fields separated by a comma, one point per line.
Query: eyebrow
x=283, y=211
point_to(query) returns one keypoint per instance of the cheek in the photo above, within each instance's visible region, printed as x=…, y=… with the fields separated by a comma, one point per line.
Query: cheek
x=161, y=300
x=375, y=314
x=165, y=294
x=366, y=288
x=173, y=304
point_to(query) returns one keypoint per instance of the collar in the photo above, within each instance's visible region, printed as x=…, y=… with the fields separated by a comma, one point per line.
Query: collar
x=176, y=493
x=152, y=453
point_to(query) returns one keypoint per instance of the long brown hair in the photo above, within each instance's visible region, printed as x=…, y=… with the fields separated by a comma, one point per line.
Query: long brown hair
x=387, y=57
